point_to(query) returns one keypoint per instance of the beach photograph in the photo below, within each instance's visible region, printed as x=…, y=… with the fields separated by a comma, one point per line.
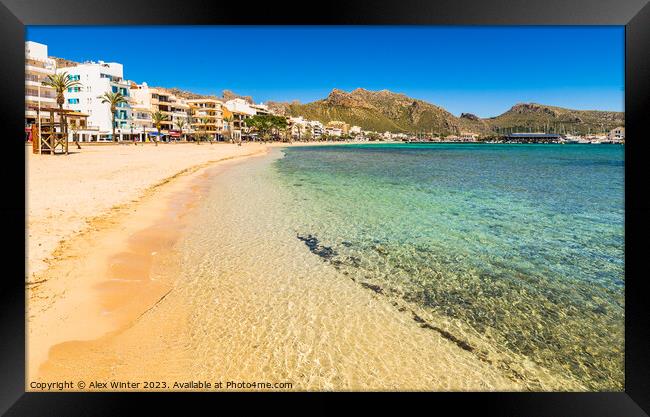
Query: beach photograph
x=325, y=208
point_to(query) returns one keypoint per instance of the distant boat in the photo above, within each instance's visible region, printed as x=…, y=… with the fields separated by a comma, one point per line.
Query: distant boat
x=575, y=139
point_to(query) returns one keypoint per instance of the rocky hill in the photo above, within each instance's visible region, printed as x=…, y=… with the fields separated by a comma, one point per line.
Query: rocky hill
x=384, y=110
x=225, y=96
x=380, y=111
x=541, y=118
x=64, y=63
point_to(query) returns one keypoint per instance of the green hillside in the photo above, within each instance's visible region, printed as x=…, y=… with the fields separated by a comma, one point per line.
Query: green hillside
x=384, y=110
x=540, y=118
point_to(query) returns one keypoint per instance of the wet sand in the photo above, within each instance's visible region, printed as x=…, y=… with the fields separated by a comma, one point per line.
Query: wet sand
x=66, y=194
x=205, y=280
x=106, y=276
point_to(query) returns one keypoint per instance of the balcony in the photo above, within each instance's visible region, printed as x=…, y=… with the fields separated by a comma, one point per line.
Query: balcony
x=39, y=70
x=43, y=99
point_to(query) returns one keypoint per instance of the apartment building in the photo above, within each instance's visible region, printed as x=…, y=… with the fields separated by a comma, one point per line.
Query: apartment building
x=97, y=78
x=37, y=68
x=148, y=100
x=261, y=109
x=617, y=134
x=342, y=126
x=317, y=128
x=468, y=136
x=206, y=117
x=301, y=129
x=333, y=131
x=141, y=119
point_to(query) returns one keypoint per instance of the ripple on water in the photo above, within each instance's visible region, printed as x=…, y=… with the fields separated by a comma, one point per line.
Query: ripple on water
x=518, y=249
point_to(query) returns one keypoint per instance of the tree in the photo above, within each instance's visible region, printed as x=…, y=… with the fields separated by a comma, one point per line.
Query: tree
x=157, y=118
x=266, y=123
x=181, y=123
x=114, y=100
x=61, y=83
x=279, y=123
x=204, y=125
x=229, y=121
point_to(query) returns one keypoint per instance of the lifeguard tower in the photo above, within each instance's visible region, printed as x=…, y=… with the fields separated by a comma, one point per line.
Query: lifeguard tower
x=53, y=135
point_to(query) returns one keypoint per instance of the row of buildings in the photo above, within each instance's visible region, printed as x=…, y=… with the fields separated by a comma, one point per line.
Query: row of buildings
x=93, y=121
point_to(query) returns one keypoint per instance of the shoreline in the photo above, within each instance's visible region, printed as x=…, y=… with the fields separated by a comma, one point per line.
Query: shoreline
x=147, y=328
x=49, y=294
x=145, y=226
x=148, y=310
x=66, y=195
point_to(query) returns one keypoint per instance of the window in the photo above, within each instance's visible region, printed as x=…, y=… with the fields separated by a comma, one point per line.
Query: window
x=73, y=101
x=74, y=77
x=74, y=89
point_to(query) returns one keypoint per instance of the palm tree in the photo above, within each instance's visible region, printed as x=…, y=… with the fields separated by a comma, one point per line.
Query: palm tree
x=204, y=122
x=61, y=82
x=157, y=118
x=181, y=123
x=228, y=120
x=114, y=100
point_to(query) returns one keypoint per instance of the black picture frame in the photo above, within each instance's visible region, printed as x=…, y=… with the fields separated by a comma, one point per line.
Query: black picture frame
x=633, y=14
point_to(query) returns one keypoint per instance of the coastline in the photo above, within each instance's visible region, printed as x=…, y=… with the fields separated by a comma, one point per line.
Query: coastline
x=97, y=253
x=66, y=195
x=293, y=312
x=203, y=279
x=76, y=228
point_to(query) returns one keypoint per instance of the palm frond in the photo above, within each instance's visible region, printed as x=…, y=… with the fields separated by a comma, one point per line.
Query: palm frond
x=60, y=82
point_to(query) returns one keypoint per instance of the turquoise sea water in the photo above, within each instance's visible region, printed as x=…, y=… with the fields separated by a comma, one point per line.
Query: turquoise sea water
x=518, y=249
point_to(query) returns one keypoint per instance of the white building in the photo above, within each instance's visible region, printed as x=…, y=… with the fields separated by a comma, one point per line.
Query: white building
x=333, y=131
x=261, y=108
x=238, y=105
x=301, y=129
x=468, y=137
x=97, y=78
x=317, y=128
x=37, y=67
x=355, y=130
x=617, y=134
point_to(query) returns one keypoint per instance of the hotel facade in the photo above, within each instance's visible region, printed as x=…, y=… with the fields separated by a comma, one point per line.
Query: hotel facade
x=97, y=78
x=146, y=101
x=37, y=68
x=206, y=117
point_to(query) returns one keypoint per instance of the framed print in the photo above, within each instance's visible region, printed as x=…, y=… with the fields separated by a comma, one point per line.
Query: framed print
x=437, y=198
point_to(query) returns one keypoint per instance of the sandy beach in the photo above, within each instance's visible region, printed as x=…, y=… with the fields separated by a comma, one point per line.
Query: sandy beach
x=137, y=288
x=64, y=193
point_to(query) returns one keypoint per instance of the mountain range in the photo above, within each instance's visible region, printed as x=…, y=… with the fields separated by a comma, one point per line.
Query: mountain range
x=388, y=111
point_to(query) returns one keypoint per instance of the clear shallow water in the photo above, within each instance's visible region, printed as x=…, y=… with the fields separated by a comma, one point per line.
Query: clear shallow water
x=515, y=251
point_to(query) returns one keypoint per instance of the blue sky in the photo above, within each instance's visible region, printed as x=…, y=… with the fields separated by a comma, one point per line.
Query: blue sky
x=480, y=70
